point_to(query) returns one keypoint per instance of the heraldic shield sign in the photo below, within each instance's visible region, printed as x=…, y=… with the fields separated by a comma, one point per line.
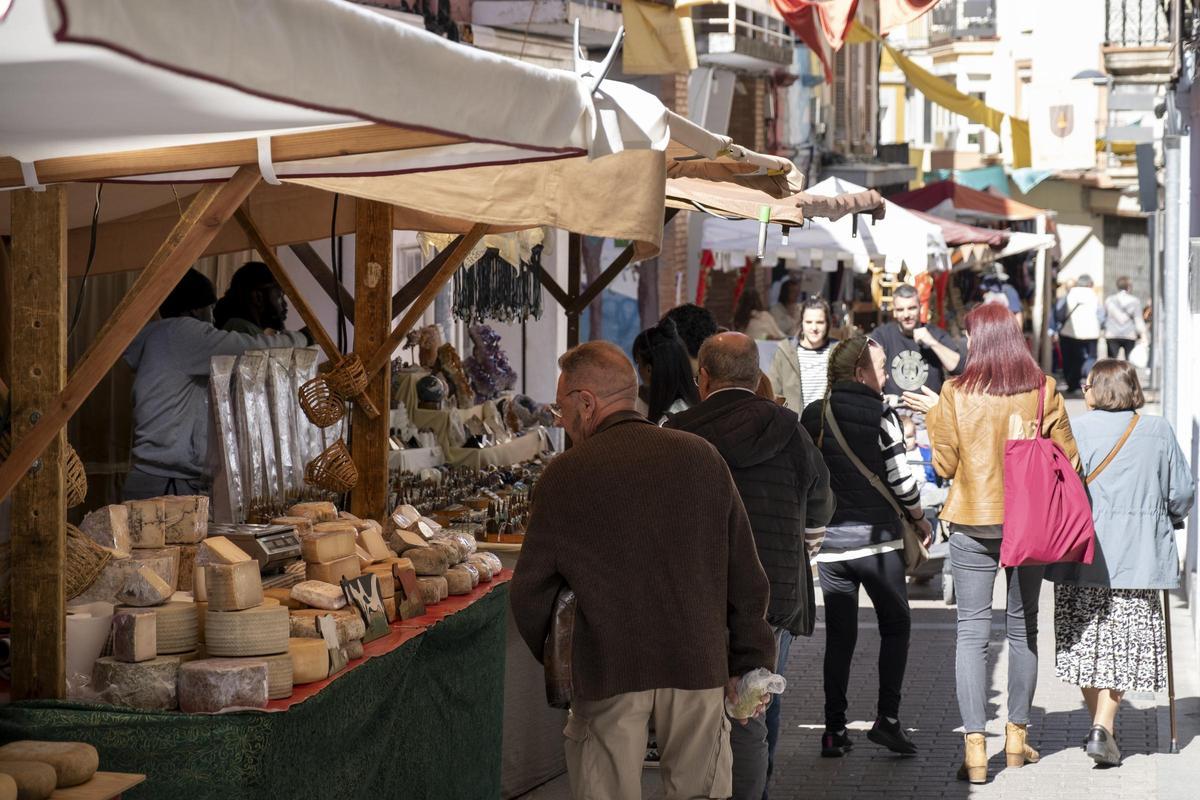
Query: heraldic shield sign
x=1062, y=120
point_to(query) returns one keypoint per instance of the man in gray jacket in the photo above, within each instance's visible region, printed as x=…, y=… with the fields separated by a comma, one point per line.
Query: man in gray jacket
x=170, y=389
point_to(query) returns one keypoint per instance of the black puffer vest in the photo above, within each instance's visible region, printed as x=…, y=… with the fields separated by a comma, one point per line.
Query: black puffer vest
x=863, y=517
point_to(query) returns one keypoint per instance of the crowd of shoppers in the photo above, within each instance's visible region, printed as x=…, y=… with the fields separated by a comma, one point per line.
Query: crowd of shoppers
x=814, y=464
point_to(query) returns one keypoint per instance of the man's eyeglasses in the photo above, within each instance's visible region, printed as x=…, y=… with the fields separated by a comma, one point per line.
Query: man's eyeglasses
x=556, y=408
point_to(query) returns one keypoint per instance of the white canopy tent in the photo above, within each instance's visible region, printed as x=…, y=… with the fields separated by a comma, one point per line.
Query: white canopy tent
x=899, y=239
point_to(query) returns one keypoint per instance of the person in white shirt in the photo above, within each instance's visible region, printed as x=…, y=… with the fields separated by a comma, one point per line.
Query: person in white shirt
x=1080, y=331
x=1123, y=323
x=799, y=369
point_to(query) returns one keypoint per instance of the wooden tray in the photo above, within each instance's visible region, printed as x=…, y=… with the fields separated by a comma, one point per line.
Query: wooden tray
x=102, y=786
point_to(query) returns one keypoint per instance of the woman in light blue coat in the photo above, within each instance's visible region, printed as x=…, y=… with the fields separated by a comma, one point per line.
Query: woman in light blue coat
x=1108, y=619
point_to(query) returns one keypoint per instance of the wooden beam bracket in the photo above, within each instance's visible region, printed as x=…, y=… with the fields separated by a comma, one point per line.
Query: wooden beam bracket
x=324, y=277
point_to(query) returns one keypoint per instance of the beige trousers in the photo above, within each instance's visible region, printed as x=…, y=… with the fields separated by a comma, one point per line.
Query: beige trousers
x=606, y=745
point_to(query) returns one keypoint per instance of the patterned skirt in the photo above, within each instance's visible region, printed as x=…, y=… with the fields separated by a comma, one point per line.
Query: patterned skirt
x=1110, y=638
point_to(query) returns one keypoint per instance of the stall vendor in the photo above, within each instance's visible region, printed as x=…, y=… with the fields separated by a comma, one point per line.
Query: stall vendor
x=254, y=302
x=918, y=357
x=170, y=389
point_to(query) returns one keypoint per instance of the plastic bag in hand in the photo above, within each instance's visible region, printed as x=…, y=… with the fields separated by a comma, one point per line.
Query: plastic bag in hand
x=750, y=689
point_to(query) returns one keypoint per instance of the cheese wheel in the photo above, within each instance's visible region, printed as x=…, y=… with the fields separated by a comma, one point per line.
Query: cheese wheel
x=319, y=594
x=8, y=787
x=310, y=660
x=453, y=551
x=258, y=631
x=201, y=609
x=271, y=601
x=144, y=684
x=349, y=625
x=428, y=561
x=279, y=675
x=335, y=526
x=371, y=540
x=389, y=608
x=333, y=571
x=434, y=589
x=186, y=518
x=187, y=567
x=472, y=570
x=233, y=587
x=73, y=762
x=33, y=779
x=147, y=522
x=484, y=567
x=302, y=525
x=219, y=550
x=458, y=580
x=176, y=628
x=318, y=511
x=354, y=650
x=283, y=596
x=211, y=685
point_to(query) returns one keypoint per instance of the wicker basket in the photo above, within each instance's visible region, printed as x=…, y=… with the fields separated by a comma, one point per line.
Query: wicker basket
x=348, y=379
x=76, y=478
x=321, y=403
x=333, y=470
x=84, y=562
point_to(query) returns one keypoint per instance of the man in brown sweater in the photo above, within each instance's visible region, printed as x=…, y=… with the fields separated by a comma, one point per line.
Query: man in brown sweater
x=647, y=527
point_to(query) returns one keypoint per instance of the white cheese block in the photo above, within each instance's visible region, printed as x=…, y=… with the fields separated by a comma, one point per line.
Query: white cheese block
x=458, y=580
x=371, y=540
x=233, y=587
x=144, y=588
x=109, y=527
x=327, y=546
x=258, y=631
x=73, y=762
x=144, y=684
x=216, y=684
x=428, y=561
x=331, y=571
x=348, y=624
x=319, y=594
x=219, y=550
x=186, y=518
x=147, y=523
x=310, y=660
x=135, y=636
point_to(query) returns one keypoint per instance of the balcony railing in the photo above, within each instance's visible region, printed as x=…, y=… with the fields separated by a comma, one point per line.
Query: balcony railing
x=739, y=20
x=1136, y=23
x=962, y=19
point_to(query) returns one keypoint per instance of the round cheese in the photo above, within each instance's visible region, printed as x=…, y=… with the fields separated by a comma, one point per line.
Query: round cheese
x=458, y=580
x=32, y=779
x=279, y=675
x=177, y=627
x=428, y=560
x=310, y=660
x=258, y=631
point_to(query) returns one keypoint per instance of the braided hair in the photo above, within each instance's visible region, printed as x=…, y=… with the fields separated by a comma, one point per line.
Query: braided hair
x=844, y=360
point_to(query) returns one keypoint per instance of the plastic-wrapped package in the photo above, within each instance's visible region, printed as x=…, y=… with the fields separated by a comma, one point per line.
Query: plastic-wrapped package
x=492, y=559
x=284, y=406
x=254, y=428
x=224, y=458
x=751, y=687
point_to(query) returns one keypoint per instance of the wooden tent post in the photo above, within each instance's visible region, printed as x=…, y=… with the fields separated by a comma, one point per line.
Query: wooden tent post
x=454, y=259
x=324, y=276
x=196, y=229
x=574, y=276
x=373, y=315
x=39, y=508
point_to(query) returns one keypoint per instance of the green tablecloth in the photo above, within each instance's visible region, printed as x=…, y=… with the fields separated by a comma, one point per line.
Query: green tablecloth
x=423, y=721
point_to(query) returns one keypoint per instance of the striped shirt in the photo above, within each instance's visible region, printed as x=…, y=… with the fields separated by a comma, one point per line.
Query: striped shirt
x=814, y=372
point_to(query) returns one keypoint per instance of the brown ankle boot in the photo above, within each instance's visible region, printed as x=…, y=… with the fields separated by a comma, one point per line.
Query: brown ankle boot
x=975, y=760
x=1016, y=746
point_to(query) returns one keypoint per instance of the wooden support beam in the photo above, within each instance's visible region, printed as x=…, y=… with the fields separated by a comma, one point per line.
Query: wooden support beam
x=454, y=259
x=373, y=292
x=574, y=277
x=552, y=286
x=39, y=508
x=610, y=274
x=6, y=306
x=209, y=210
x=374, y=138
x=324, y=277
x=410, y=291
x=320, y=336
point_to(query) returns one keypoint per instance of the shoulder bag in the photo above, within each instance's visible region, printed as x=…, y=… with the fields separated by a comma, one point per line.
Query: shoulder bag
x=1047, y=516
x=915, y=553
x=1113, y=453
x=556, y=655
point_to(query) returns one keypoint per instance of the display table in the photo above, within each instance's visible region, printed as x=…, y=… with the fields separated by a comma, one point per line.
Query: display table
x=419, y=716
x=525, y=447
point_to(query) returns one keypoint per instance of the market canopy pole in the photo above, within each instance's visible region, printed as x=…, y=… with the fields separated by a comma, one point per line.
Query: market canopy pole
x=369, y=444
x=454, y=258
x=552, y=286
x=320, y=336
x=574, y=276
x=209, y=210
x=39, y=508
x=579, y=304
x=324, y=277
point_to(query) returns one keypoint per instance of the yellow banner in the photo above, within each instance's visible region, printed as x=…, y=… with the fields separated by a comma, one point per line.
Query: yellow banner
x=658, y=39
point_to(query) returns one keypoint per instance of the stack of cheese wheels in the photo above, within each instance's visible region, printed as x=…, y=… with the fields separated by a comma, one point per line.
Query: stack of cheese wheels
x=330, y=552
x=34, y=770
x=240, y=623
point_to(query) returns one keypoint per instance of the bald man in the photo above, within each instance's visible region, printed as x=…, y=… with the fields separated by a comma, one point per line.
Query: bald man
x=784, y=485
x=646, y=527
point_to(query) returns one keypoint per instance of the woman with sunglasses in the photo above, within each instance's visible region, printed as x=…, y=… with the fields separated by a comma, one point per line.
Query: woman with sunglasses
x=864, y=541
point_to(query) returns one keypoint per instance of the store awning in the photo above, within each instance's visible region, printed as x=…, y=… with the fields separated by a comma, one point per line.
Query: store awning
x=953, y=200
x=896, y=238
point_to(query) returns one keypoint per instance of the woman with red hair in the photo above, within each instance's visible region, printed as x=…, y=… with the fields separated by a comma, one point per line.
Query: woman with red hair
x=994, y=400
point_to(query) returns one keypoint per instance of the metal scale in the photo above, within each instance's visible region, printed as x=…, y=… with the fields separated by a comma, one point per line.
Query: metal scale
x=273, y=546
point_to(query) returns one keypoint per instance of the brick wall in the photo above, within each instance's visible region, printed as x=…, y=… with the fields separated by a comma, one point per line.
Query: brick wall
x=672, y=263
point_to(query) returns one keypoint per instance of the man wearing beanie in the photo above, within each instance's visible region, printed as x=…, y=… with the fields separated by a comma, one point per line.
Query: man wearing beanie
x=170, y=389
x=254, y=302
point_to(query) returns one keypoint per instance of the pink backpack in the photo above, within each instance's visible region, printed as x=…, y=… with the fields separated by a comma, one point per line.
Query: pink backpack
x=1047, y=515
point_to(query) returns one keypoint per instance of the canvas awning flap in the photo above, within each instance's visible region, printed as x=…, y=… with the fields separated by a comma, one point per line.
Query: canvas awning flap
x=184, y=91
x=744, y=197
x=950, y=199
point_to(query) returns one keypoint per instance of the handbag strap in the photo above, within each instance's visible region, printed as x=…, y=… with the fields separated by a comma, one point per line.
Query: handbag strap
x=1113, y=453
x=1041, y=410
x=871, y=477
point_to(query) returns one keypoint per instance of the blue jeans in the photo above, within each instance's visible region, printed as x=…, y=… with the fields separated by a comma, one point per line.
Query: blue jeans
x=753, y=744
